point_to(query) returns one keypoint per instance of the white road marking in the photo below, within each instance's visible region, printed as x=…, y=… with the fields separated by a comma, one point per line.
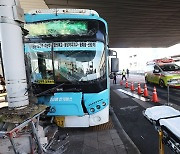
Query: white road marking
x=129, y=108
x=121, y=94
x=134, y=95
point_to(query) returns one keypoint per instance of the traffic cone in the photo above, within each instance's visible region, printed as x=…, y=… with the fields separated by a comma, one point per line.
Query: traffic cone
x=126, y=86
x=121, y=82
x=154, y=96
x=145, y=91
x=139, y=89
x=132, y=86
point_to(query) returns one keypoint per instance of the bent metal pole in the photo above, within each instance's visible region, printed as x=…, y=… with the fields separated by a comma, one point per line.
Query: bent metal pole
x=11, y=17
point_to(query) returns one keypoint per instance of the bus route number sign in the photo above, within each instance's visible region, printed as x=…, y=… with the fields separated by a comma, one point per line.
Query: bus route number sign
x=65, y=45
x=74, y=44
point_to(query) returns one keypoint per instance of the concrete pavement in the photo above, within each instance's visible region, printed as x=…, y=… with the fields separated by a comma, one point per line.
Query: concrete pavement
x=104, y=139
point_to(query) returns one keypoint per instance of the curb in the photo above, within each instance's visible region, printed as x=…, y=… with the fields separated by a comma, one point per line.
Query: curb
x=128, y=143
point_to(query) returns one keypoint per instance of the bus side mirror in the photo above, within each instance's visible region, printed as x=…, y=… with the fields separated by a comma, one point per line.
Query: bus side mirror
x=114, y=64
x=110, y=52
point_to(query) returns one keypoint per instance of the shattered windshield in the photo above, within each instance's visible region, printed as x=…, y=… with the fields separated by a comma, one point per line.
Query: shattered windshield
x=55, y=28
x=51, y=62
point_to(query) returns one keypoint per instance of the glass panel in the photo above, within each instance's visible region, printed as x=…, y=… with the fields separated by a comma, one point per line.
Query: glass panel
x=170, y=67
x=80, y=65
x=61, y=27
x=72, y=64
x=41, y=63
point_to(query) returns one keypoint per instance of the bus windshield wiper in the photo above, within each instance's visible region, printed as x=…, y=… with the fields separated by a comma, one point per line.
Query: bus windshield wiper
x=72, y=90
x=51, y=90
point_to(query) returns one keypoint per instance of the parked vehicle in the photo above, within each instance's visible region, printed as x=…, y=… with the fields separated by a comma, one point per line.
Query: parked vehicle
x=163, y=72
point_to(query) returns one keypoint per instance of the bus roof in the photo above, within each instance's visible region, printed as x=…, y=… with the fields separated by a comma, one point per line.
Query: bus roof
x=64, y=11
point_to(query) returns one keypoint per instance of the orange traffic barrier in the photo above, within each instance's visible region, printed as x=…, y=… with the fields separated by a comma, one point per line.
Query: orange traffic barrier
x=126, y=86
x=132, y=86
x=154, y=96
x=121, y=82
x=139, y=89
x=145, y=91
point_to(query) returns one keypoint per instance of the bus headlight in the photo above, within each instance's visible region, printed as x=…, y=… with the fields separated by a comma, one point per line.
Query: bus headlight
x=52, y=110
x=98, y=106
x=92, y=109
x=103, y=104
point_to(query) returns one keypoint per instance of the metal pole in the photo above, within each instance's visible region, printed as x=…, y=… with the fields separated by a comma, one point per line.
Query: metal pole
x=35, y=133
x=161, y=145
x=12, y=142
x=168, y=94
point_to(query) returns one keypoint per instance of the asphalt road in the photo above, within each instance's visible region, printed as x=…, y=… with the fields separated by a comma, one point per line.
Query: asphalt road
x=129, y=112
x=174, y=95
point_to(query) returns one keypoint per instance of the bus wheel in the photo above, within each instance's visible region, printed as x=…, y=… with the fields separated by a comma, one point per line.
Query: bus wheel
x=161, y=83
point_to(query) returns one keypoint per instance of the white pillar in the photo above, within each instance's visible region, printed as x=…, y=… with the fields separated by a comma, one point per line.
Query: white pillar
x=11, y=16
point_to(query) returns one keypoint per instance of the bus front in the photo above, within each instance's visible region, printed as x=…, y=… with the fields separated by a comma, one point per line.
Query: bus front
x=67, y=56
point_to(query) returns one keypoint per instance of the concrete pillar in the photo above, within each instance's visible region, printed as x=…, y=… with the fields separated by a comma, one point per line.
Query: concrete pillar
x=11, y=17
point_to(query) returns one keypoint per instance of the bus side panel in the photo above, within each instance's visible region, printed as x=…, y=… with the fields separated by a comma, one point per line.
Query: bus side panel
x=64, y=104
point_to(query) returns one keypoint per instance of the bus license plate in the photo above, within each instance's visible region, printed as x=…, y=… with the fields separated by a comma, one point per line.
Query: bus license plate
x=60, y=121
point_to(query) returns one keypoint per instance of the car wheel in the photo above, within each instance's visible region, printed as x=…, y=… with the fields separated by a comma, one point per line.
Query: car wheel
x=161, y=83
